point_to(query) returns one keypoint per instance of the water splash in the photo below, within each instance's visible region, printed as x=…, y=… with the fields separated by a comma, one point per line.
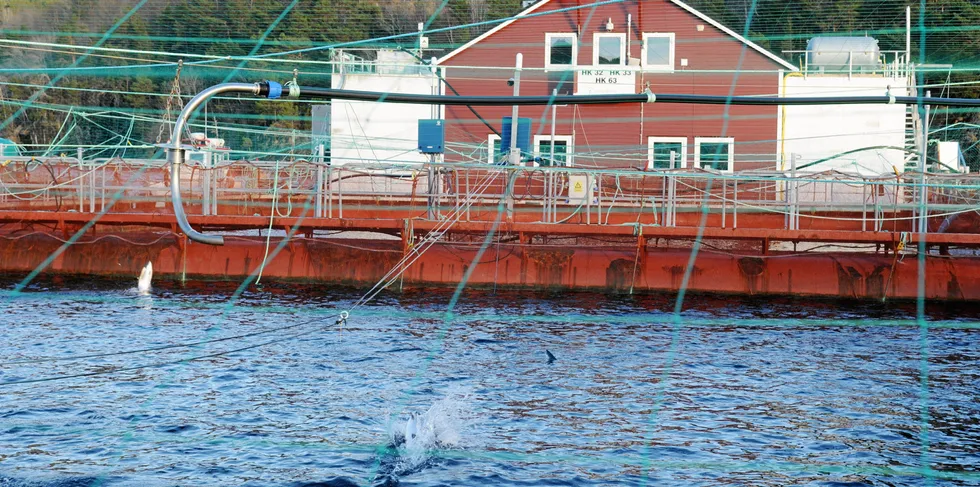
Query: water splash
x=415, y=442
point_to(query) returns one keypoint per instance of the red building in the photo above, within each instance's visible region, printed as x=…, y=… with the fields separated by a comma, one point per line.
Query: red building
x=575, y=47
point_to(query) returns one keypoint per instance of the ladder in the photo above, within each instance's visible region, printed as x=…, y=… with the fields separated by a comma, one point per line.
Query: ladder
x=913, y=129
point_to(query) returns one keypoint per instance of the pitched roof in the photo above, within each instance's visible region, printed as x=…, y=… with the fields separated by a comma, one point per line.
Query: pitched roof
x=530, y=10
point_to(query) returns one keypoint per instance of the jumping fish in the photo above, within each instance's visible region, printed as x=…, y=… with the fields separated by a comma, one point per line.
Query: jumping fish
x=411, y=431
x=146, y=275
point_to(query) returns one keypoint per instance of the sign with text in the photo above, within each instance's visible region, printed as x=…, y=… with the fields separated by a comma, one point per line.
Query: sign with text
x=619, y=80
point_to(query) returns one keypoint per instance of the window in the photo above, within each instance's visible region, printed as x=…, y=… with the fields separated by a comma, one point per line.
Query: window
x=562, y=82
x=563, y=149
x=609, y=49
x=717, y=153
x=561, y=50
x=493, y=149
x=658, y=52
x=660, y=149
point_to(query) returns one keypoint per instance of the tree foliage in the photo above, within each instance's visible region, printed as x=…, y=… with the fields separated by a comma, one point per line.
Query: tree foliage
x=234, y=27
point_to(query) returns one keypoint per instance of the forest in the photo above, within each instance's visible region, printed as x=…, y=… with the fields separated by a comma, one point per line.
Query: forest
x=127, y=96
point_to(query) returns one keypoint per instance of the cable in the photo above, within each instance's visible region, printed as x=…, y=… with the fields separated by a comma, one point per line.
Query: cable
x=159, y=364
x=154, y=349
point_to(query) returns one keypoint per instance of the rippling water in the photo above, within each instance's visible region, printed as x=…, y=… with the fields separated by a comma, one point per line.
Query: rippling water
x=738, y=392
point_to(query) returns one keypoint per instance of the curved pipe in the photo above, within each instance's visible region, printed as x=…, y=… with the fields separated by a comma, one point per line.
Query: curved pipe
x=175, y=155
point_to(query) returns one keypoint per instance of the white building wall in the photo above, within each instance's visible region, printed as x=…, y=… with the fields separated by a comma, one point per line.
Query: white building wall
x=824, y=131
x=378, y=132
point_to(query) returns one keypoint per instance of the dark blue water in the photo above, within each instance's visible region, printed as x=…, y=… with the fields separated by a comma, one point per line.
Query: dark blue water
x=757, y=392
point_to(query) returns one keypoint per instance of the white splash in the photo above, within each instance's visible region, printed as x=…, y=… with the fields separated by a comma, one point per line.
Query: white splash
x=146, y=276
x=441, y=427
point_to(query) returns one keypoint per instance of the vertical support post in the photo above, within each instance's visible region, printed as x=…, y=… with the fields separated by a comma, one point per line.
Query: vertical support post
x=91, y=189
x=794, y=214
x=588, y=199
x=598, y=197
x=735, y=205
x=549, y=176
x=214, y=185
x=724, y=200
x=923, y=191
x=329, y=191
x=864, y=204
x=669, y=208
x=318, y=207
x=205, y=183
x=431, y=176
x=81, y=181
x=514, y=156
x=102, y=208
x=459, y=201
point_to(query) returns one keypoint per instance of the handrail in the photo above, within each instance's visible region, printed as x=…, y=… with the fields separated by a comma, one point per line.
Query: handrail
x=273, y=90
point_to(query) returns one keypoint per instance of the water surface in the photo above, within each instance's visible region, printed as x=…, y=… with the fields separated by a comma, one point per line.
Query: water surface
x=735, y=392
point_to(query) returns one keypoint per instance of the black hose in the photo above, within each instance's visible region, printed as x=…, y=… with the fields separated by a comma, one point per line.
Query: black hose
x=374, y=96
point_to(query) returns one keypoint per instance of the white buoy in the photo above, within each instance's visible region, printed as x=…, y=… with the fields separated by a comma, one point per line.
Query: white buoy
x=146, y=276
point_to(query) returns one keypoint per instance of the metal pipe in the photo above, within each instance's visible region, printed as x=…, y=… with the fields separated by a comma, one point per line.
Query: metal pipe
x=175, y=155
x=513, y=157
x=681, y=98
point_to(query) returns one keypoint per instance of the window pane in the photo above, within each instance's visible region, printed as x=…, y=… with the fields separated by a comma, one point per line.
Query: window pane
x=561, y=50
x=661, y=154
x=714, y=155
x=658, y=51
x=610, y=50
x=561, y=152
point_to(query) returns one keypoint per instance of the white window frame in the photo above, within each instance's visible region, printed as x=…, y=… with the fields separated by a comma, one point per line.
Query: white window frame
x=547, y=51
x=490, y=140
x=715, y=140
x=595, y=48
x=567, y=139
x=669, y=67
x=653, y=140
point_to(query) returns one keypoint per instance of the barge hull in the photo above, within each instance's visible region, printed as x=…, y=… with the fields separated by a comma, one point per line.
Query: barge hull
x=637, y=268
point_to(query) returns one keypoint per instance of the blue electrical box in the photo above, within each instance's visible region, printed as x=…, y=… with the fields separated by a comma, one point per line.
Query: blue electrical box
x=523, y=135
x=432, y=136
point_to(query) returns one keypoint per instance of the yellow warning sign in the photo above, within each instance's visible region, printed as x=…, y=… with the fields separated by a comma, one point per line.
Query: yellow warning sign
x=578, y=184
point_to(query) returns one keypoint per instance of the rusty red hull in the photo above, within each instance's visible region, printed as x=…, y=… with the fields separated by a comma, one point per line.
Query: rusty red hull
x=646, y=269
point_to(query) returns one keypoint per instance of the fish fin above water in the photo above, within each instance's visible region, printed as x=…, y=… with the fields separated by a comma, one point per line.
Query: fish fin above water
x=551, y=357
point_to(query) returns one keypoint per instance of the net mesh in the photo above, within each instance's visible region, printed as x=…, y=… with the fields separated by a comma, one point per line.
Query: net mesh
x=95, y=78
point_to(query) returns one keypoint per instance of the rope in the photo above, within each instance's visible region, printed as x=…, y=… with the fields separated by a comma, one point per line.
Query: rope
x=418, y=249
x=174, y=94
x=272, y=217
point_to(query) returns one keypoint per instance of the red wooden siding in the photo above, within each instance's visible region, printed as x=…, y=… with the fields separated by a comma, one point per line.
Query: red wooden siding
x=718, y=64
